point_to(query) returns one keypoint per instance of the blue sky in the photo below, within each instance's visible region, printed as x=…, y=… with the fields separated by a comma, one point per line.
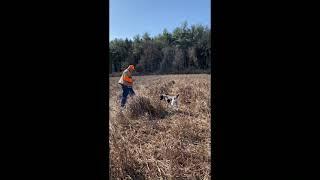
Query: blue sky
x=131, y=17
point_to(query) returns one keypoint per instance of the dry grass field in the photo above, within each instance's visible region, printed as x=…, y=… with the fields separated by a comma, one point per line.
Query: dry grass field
x=149, y=140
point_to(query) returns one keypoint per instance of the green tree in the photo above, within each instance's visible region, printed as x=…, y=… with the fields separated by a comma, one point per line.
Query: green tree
x=137, y=49
x=146, y=37
x=184, y=48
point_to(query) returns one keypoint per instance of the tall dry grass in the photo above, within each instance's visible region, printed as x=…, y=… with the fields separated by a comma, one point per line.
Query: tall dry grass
x=150, y=141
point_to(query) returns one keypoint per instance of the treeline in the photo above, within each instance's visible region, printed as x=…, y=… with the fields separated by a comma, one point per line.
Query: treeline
x=186, y=49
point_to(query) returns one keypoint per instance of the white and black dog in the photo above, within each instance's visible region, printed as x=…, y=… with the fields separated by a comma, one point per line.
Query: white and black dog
x=171, y=100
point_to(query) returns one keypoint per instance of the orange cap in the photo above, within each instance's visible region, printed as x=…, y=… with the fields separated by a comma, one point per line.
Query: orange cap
x=131, y=67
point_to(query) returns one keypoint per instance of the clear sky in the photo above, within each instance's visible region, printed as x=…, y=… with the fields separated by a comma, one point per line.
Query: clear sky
x=131, y=17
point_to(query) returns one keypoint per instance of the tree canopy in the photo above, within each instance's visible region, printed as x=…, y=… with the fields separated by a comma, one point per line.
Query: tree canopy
x=186, y=48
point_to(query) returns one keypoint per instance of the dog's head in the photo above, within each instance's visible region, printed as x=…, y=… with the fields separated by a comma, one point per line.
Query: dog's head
x=172, y=100
x=166, y=96
x=175, y=101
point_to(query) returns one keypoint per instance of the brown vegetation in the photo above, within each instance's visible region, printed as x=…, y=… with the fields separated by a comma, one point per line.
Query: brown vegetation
x=150, y=141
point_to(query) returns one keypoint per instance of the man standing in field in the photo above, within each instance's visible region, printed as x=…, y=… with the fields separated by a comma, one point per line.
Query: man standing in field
x=126, y=83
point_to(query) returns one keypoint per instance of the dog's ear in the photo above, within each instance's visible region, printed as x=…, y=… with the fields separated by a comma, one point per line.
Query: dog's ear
x=161, y=97
x=177, y=96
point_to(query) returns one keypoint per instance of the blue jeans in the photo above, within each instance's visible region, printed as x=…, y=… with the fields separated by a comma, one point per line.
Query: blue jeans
x=126, y=91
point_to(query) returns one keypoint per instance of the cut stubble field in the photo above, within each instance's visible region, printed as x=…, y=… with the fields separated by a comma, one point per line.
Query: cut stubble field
x=151, y=141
